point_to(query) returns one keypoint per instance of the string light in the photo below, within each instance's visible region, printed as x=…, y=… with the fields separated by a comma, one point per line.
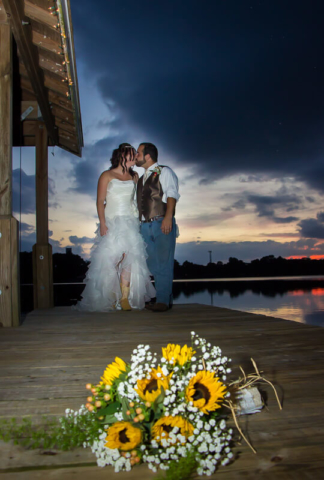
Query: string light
x=56, y=10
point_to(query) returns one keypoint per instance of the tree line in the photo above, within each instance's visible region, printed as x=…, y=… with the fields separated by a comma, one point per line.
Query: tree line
x=69, y=268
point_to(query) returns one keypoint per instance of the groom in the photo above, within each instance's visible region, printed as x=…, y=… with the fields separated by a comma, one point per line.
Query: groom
x=157, y=195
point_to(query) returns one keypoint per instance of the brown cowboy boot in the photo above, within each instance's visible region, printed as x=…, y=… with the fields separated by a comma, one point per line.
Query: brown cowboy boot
x=124, y=303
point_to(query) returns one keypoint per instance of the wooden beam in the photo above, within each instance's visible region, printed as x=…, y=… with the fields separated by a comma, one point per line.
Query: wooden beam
x=46, y=43
x=42, y=251
x=27, y=142
x=34, y=113
x=67, y=136
x=43, y=276
x=29, y=55
x=60, y=101
x=9, y=272
x=43, y=16
x=56, y=85
x=27, y=96
x=41, y=184
x=71, y=147
x=5, y=119
x=63, y=114
x=29, y=128
x=3, y=15
x=50, y=65
x=26, y=85
x=67, y=127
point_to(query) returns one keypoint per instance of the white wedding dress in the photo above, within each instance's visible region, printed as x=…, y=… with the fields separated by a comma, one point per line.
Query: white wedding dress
x=120, y=252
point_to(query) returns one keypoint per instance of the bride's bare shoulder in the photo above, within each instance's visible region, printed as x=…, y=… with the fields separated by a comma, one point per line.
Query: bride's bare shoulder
x=106, y=176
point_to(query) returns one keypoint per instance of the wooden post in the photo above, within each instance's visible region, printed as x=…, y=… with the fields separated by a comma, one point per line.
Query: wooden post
x=9, y=264
x=42, y=251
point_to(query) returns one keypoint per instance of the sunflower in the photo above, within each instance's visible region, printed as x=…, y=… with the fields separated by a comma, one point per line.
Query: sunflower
x=150, y=389
x=113, y=371
x=205, y=391
x=176, y=354
x=124, y=436
x=164, y=426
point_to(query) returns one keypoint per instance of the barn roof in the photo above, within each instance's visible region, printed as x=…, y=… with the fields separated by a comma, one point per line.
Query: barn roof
x=44, y=71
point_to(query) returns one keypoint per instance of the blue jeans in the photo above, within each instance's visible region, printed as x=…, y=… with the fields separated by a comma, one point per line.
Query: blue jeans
x=160, y=262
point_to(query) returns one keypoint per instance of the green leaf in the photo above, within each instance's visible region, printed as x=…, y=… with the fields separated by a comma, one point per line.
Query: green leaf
x=125, y=407
x=112, y=408
x=159, y=412
x=160, y=398
x=110, y=419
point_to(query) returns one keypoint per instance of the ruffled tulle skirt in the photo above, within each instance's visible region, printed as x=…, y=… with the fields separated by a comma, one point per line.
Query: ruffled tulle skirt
x=120, y=253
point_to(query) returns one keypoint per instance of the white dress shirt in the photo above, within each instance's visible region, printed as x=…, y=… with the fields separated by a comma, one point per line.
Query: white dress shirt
x=168, y=179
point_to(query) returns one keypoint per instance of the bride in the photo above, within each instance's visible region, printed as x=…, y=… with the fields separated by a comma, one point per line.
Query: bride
x=118, y=276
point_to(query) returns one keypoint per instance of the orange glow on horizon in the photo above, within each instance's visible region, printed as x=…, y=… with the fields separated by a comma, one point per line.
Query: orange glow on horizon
x=297, y=293
x=318, y=291
x=312, y=257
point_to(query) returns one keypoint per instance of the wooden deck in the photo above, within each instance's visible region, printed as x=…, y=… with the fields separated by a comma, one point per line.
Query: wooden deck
x=46, y=363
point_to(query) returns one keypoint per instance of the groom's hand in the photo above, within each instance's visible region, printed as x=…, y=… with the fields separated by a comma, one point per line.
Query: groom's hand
x=166, y=225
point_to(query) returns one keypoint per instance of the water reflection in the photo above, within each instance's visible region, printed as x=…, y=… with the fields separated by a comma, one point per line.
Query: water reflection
x=298, y=300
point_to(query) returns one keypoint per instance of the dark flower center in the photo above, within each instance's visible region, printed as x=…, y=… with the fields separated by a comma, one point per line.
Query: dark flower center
x=201, y=391
x=123, y=437
x=151, y=386
x=167, y=428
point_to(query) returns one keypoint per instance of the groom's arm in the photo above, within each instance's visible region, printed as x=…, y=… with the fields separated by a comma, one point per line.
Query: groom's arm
x=169, y=182
x=166, y=225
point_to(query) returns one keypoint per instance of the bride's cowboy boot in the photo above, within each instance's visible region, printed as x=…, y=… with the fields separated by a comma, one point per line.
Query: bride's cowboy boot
x=124, y=303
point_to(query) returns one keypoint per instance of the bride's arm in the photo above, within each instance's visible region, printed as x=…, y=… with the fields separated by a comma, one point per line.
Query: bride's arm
x=101, y=197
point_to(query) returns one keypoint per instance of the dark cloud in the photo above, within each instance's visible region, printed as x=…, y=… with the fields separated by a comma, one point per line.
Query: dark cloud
x=320, y=217
x=312, y=227
x=28, y=195
x=221, y=85
x=75, y=240
x=56, y=245
x=96, y=159
x=204, y=220
x=28, y=238
x=197, y=252
x=240, y=204
x=285, y=219
x=28, y=198
x=25, y=228
x=265, y=205
x=279, y=235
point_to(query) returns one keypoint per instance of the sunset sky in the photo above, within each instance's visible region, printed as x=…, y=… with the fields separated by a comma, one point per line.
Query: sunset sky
x=232, y=94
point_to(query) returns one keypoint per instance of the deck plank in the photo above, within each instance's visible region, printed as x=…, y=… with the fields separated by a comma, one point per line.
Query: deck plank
x=47, y=361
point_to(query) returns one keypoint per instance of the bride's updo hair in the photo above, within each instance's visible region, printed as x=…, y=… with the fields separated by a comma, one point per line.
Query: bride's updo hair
x=119, y=157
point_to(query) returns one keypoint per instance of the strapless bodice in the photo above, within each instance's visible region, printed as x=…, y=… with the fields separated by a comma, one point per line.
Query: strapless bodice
x=120, y=198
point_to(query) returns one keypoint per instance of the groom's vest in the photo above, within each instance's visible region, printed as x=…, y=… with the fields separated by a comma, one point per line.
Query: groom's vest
x=149, y=197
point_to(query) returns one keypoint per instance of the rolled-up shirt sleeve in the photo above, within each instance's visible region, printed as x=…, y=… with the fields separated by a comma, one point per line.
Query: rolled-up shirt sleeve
x=170, y=184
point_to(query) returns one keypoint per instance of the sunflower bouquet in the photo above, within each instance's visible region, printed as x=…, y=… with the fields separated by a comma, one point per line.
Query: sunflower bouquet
x=156, y=410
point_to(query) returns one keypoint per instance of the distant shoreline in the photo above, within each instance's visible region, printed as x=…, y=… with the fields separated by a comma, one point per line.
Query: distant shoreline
x=232, y=279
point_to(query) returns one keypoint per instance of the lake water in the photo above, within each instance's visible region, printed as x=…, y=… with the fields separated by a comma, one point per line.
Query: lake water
x=300, y=299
